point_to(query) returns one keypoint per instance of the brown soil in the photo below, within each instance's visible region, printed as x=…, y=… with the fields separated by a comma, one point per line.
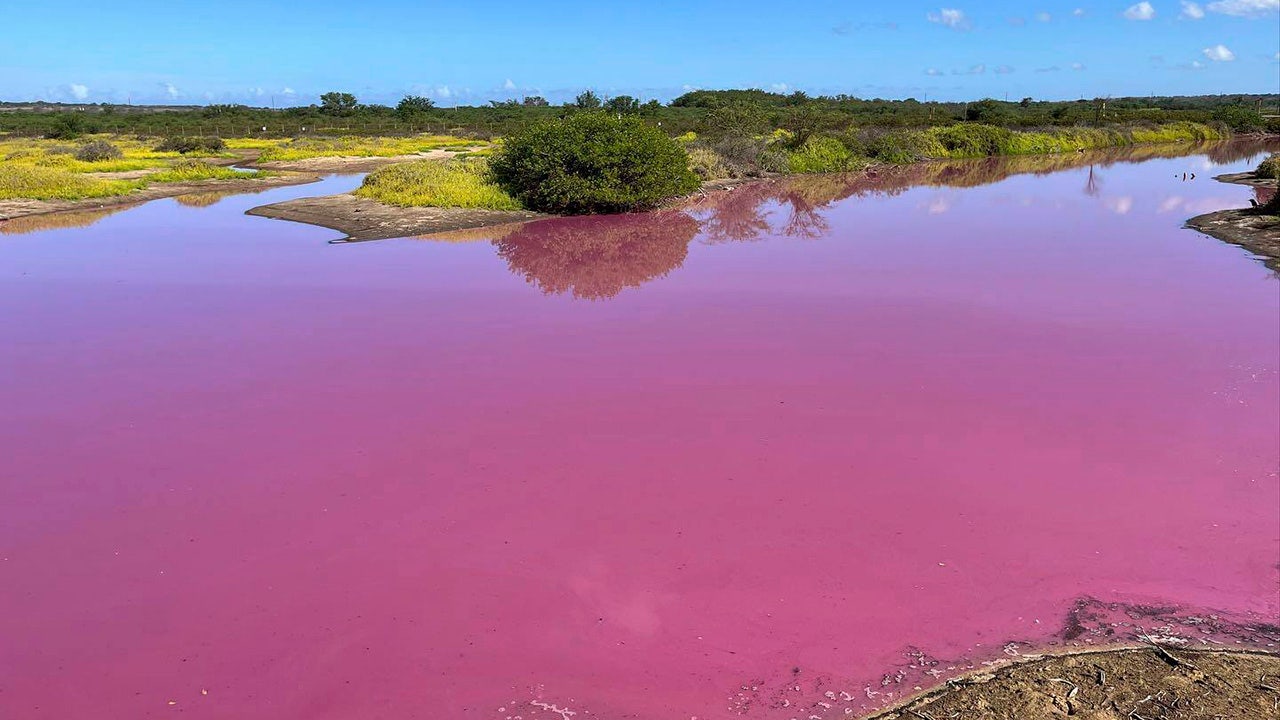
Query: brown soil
x=1148, y=683
x=364, y=219
x=10, y=209
x=1256, y=232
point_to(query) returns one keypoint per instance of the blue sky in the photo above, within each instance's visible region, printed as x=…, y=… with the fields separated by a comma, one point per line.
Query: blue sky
x=471, y=52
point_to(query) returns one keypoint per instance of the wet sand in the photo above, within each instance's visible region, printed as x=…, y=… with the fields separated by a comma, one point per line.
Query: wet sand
x=1256, y=232
x=11, y=209
x=360, y=218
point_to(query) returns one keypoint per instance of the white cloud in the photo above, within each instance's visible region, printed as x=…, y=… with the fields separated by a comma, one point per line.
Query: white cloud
x=951, y=17
x=1051, y=68
x=1245, y=8
x=1043, y=16
x=938, y=205
x=508, y=85
x=779, y=87
x=1219, y=53
x=1141, y=11
x=443, y=91
x=1078, y=12
x=1119, y=205
x=1191, y=11
x=933, y=72
x=1003, y=70
x=78, y=91
x=171, y=90
x=975, y=70
x=1077, y=66
x=288, y=91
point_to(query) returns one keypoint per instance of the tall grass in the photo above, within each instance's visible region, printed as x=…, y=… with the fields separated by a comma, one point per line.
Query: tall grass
x=822, y=155
x=426, y=183
x=34, y=182
x=971, y=140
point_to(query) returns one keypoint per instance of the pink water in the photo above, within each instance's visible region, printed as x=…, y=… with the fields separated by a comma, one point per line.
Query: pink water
x=785, y=455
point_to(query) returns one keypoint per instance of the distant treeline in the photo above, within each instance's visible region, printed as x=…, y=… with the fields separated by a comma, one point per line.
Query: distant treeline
x=714, y=112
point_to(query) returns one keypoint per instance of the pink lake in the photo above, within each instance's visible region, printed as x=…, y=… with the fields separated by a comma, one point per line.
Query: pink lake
x=794, y=452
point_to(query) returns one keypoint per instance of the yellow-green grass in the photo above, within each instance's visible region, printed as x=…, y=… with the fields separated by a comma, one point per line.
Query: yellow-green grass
x=34, y=182
x=194, y=170
x=351, y=146
x=40, y=182
x=974, y=140
x=427, y=183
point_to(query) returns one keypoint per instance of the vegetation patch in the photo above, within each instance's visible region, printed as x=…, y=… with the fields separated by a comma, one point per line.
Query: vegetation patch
x=593, y=162
x=35, y=182
x=824, y=154
x=207, y=145
x=1269, y=168
x=97, y=151
x=195, y=170
x=353, y=146
x=426, y=183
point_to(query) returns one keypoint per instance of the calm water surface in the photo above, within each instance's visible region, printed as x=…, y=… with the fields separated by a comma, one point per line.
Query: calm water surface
x=792, y=453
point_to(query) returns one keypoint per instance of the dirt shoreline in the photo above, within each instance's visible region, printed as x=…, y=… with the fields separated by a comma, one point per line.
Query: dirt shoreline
x=12, y=209
x=1253, y=231
x=362, y=219
x=1150, y=682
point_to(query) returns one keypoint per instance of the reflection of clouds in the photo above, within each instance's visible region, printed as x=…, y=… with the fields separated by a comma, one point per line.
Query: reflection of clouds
x=1120, y=205
x=938, y=204
x=1196, y=206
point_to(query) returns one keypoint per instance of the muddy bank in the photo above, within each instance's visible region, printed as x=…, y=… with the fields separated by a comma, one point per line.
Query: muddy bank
x=1256, y=232
x=10, y=209
x=364, y=219
x=1118, y=684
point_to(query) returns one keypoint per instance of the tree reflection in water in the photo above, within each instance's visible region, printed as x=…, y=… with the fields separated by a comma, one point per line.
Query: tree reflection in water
x=596, y=258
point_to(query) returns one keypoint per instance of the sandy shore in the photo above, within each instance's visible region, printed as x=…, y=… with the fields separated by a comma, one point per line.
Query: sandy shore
x=1255, y=232
x=10, y=209
x=1115, y=684
x=364, y=219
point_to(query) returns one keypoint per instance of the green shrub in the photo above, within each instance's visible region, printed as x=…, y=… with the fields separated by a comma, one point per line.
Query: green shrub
x=1240, y=119
x=821, y=154
x=1270, y=168
x=707, y=164
x=592, y=162
x=68, y=126
x=430, y=183
x=972, y=140
x=185, y=145
x=97, y=151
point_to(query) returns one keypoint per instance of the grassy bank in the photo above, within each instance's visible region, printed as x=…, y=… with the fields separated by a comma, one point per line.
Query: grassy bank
x=52, y=169
x=426, y=183
x=728, y=156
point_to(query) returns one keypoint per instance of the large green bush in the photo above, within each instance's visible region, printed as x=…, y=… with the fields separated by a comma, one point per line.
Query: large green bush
x=592, y=162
